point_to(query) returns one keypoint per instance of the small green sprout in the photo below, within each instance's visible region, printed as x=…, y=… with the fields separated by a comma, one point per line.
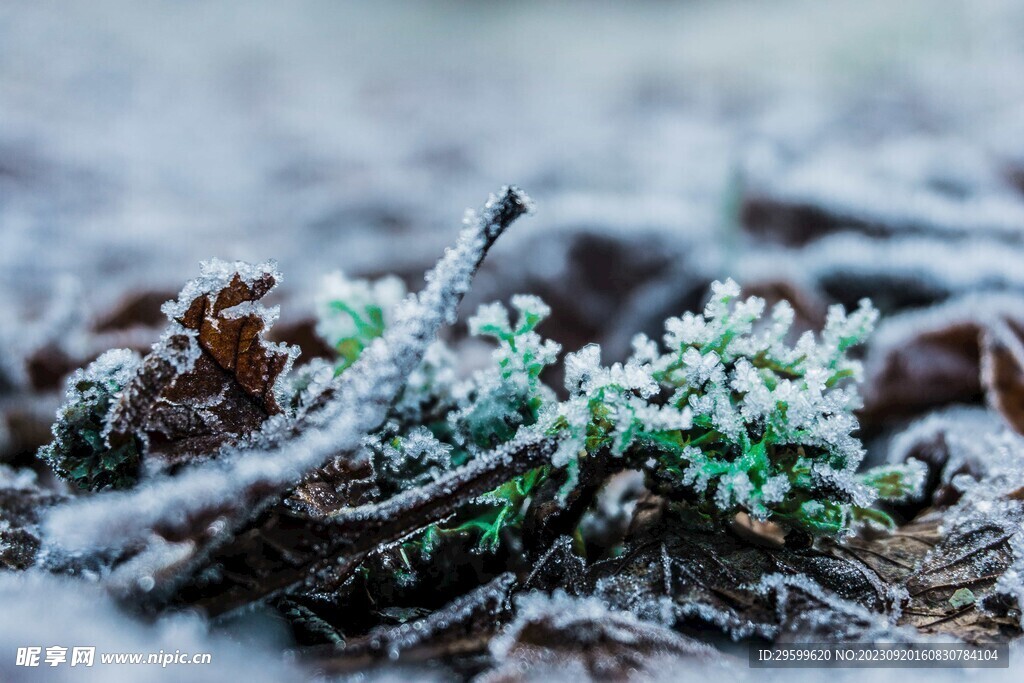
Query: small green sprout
x=503, y=508
x=439, y=423
x=896, y=483
x=511, y=394
x=496, y=403
x=351, y=313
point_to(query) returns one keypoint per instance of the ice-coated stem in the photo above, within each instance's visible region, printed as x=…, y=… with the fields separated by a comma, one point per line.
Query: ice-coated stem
x=208, y=502
x=367, y=526
x=343, y=538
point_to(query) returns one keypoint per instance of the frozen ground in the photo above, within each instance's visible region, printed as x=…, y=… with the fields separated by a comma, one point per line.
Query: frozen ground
x=845, y=148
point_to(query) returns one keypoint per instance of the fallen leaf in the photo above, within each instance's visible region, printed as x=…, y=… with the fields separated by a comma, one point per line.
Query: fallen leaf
x=213, y=378
x=1002, y=370
x=561, y=636
x=924, y=369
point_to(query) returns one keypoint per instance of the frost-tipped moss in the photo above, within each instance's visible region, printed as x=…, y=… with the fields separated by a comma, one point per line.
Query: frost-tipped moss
x=81, y=452
x=439, y=423
x=727, y=415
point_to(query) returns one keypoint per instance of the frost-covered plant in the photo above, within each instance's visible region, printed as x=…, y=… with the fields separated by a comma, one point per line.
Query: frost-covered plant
x=509, y=394
x=496, y=402
x=725, y=416
x=440, y=423
x=81, y=451
x=729, y=417
x=351, y=313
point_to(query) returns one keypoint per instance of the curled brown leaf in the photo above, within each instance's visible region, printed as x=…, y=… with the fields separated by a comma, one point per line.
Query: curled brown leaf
x=213, y=378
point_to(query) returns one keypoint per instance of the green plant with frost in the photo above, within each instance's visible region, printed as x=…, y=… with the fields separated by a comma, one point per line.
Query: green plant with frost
x=726, y=416
x=81, y=451
x=440, y=423
x=352, y=313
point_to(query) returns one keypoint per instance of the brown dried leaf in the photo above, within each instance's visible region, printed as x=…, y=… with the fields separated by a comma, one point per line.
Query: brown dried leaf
x=1002, y=370
x=791, y=223
x=932, y=567
x=711, y=578
x=187, y=402
x=581, y=639
x=344, y=482
x=924, y=369
x=839, y=591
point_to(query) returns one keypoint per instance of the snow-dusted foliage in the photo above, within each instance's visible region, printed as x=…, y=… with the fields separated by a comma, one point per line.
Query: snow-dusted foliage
x=439, y=423
x=732, y=414
x=809, y=613
x=729, y=417
x=990, y=507
x=81, y=451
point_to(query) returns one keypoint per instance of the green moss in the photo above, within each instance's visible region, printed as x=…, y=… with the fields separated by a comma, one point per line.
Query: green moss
x=82, y=453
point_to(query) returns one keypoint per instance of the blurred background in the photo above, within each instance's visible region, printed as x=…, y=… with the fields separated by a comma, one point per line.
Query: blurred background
x=814, y=151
